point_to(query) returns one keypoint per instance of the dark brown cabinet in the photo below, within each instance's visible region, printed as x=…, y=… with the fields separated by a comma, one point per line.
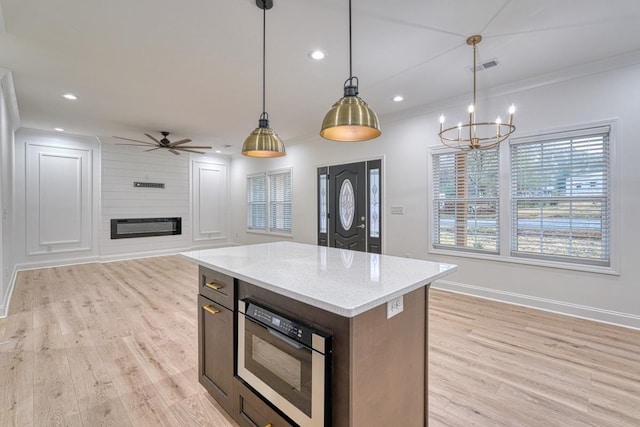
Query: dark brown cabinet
x=215, y=359
x=217, y=287
x=251, y=411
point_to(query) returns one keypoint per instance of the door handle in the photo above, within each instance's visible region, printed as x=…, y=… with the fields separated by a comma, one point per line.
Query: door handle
x=361, y=226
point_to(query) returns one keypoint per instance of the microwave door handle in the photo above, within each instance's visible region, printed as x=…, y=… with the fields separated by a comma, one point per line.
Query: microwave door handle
x=285, y=340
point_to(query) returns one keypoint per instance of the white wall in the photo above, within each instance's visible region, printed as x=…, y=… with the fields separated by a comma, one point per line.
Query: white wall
x=569, y=98
x=124, y=165
x=8, y=121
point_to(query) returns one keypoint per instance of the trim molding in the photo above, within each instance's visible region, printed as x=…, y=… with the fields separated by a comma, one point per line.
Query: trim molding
x=625, y=320
x=10, y=96
x=4, y=307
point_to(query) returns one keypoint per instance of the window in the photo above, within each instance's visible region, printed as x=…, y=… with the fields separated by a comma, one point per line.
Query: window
x=269, y=202
x=558, y=190
x=560, y=204
x=466, y=201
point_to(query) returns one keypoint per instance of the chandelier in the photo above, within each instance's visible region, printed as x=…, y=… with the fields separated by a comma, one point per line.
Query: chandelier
x=475, y=135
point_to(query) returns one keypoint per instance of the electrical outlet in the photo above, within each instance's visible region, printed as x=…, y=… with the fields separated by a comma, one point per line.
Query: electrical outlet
x=395, y=306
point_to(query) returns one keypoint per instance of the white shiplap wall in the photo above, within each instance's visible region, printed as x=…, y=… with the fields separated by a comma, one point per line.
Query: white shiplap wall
x=121, y=167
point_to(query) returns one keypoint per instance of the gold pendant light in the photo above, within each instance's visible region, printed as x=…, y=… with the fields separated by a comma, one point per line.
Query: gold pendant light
x=476, y=135
x=263, y=141
x=350, y=119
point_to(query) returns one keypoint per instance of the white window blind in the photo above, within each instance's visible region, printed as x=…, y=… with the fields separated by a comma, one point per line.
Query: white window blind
x=560, y=197
x=257, y=203
x=269, y=202
x=466, y=201
x=280, y=201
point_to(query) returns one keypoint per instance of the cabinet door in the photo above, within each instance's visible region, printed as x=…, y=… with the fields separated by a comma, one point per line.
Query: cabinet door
x=215, y=359
x=252, y=411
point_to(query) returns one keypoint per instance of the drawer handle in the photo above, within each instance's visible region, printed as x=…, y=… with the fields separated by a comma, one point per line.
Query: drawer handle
x=210, y=309
x=213, y=286
x=268, y=425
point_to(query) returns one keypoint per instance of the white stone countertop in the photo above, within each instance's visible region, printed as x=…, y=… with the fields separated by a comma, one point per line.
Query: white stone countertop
x=340, y=281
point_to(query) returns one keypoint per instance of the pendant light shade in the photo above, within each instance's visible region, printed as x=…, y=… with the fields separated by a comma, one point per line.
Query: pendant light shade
x=263, y=141
x=350, y=119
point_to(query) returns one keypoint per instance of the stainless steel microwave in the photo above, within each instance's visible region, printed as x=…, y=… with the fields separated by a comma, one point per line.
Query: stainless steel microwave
x=287, y=362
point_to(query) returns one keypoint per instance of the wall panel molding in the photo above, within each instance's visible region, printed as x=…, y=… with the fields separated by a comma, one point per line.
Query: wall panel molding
x=59, y=199
x=209, y=201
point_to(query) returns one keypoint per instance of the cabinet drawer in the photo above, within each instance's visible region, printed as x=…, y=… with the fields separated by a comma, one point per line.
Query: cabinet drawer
x=217, y=287
x=252, y=411
x=215, y=351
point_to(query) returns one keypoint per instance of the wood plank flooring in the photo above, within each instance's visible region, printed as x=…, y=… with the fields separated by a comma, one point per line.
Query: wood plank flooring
x=115, y=344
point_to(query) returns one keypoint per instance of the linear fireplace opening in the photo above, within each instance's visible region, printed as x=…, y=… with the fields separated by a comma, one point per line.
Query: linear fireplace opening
x=125, y=228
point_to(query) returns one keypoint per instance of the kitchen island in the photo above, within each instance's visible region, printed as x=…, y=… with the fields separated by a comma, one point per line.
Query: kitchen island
x=373, y=307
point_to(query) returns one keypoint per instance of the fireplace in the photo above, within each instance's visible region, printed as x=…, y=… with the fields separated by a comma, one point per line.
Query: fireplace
x=126, y=228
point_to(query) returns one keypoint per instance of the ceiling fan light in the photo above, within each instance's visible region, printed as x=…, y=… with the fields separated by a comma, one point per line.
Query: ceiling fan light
x=350, y=120
x=263, y=142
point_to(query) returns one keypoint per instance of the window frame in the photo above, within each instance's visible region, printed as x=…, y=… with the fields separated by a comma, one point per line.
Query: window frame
x=469, y=200
x=268, y=203
x=505, y=218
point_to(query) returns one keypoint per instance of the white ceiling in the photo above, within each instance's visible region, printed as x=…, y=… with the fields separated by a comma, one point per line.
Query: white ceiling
x=194, y=67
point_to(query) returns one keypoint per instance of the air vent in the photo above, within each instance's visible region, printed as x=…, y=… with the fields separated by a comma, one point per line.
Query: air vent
x=489, y=64
x=149, y=184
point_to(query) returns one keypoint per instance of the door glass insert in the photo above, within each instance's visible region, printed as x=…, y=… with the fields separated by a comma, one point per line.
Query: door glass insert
x=374, y=203
x=323, y=203
x=347, y=204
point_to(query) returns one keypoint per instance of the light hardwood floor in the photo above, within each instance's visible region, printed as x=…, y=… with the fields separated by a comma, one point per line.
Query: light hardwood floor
x=116, y=344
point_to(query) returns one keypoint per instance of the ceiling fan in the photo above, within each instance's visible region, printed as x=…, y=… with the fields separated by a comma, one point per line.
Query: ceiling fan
x=174, y=147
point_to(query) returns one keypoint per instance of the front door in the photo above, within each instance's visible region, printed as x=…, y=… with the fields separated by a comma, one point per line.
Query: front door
x=349, y=206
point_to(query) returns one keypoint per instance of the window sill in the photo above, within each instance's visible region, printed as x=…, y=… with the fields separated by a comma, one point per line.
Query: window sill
x=528, y=261
x=270, y=233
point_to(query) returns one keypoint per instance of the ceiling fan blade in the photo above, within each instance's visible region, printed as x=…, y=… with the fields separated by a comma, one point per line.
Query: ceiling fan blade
x=193, y=146
x=155, y=140
x=134, y=140
x=151, y=149
x=174, y=151
x=134, y=145
x=182, y=141
x=190, y=151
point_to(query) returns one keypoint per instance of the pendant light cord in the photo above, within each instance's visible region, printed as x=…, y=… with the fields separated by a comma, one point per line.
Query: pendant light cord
x=350, y=54
x=264, y=55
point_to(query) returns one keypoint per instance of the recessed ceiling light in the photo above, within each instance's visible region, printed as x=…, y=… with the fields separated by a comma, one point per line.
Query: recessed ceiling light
x=59, y=129
x=317, y=54
x=70, y=96
x=398, y=98
x=218, y=151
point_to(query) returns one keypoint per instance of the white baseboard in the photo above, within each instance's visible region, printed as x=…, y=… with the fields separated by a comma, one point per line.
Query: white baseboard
x=560, y=307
